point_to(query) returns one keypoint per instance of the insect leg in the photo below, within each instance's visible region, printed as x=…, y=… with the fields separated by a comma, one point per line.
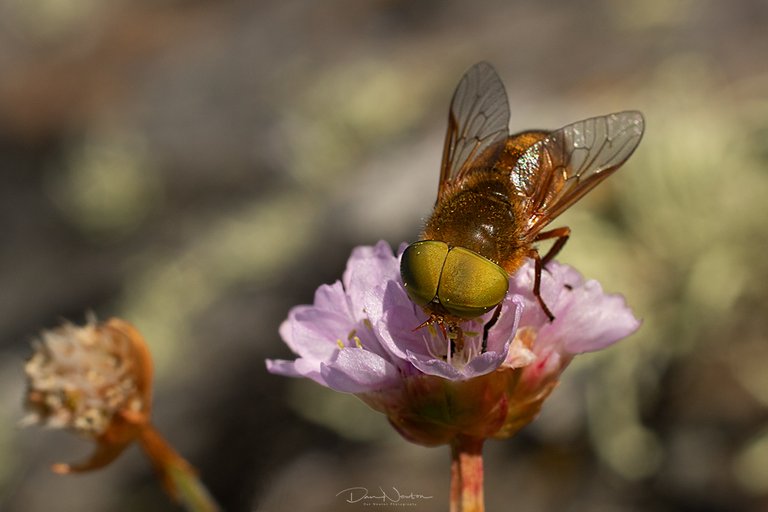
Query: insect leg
x=562, y=235
x=487, y=327
x=537, y=281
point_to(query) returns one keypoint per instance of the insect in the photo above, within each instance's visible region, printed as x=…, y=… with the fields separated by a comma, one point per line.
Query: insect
x=497, y=193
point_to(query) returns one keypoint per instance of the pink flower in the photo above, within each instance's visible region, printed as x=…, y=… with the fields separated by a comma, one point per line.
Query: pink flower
x=362, y=336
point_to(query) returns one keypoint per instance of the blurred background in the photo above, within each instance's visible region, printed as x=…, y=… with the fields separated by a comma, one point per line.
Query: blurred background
x=198, y=167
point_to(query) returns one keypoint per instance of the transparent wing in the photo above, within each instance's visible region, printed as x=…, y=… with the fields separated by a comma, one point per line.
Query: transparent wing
x=557, y=171
x=478, y=121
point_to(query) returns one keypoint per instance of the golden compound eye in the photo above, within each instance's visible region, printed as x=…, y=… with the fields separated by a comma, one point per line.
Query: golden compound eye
x=471, y=285
x=420, y=267
x=466, y=284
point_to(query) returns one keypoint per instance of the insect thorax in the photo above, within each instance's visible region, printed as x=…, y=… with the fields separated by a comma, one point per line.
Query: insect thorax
x=478, y=216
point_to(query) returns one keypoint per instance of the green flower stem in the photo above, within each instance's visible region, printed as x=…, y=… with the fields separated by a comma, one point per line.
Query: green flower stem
x=467, y=474
x=178, y=476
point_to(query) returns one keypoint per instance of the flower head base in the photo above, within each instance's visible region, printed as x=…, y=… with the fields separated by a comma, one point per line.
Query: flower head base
x=94, y=380
x=360, y=336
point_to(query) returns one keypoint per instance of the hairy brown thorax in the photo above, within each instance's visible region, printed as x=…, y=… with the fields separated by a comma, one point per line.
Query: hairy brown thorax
x=481, y=213
x=479, y=216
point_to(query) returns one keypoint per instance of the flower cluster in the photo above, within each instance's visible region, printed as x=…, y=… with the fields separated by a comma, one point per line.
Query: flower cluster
x=361, y=336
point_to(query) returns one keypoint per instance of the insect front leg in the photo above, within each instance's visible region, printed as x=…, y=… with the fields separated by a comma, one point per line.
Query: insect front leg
x=487, y=327
x=562, y=235
x=537, y=281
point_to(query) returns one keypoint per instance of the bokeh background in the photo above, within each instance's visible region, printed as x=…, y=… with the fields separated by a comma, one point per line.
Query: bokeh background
x=198, y=167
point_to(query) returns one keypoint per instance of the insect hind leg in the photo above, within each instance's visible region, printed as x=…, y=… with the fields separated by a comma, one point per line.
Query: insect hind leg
x=562, y=234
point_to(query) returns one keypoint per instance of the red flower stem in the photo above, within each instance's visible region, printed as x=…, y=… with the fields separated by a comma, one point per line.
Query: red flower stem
x=467, y=474
x=178, y=476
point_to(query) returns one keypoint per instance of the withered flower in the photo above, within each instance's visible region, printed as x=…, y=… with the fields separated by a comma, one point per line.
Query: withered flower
x=96, y=380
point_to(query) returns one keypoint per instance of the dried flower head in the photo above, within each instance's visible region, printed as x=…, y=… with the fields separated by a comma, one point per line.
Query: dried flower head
x=360, y=336
x=80, y=377
x=94, y=380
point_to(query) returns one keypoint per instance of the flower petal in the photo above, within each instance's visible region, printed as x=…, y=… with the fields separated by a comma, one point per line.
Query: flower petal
x=500, y=334
x=356, y=370
x=431, y=366
x=553, y=281
x=479, y=365
x=331, y=297
x=588, y=319
x=314, y=333
x=297, y=368
x=484, y=363
x=367, y=270
x=398, y=334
